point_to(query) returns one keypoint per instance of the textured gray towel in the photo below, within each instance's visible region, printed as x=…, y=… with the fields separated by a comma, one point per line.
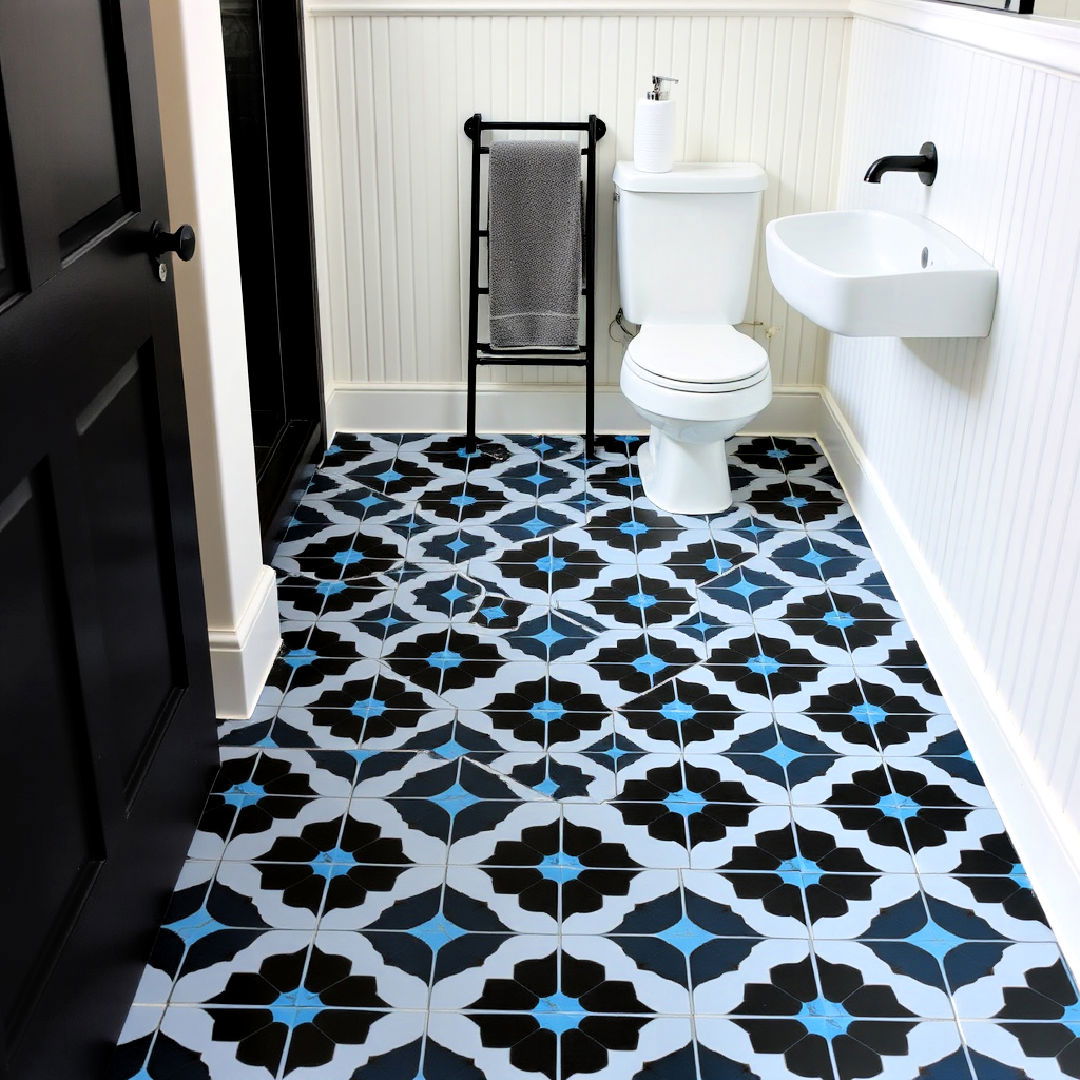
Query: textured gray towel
x=534, y=243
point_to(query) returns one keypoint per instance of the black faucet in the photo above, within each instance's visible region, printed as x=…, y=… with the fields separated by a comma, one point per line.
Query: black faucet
x=924, y=163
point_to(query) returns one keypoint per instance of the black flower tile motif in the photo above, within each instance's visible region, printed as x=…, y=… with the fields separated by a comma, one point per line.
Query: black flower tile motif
x=549, y=782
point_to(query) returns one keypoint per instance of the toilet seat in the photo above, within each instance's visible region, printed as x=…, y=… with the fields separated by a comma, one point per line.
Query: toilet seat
x=699, y=358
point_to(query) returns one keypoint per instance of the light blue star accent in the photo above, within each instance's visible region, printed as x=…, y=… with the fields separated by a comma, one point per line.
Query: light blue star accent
x=437, y=932
x=550, y=564
x=896, y=806
x=497, y=611
x=299, y=658
x=369, y=501
x=389, y=476
x=744, y=588
x=641, y=600
x=633, y=528
x=782, y=754
x=814, y=558
x=678, y=710
x=457, y=544
x=794, y=501
x=827, y=1027
x=763, y=665
x=335, y=856
x=547, y=711
x=839, y=619
x=347, y=558
x=451, y=749
x=779, y=455
x=821, y=1007
x=330, y=588
x=684, y=802
x=549, y=637
x=809, y=872
x=455, y=799
x=462, y=500
x=868, y=714
x=194, y=927
x=560, y=867
x=935, y=939
x=368, y=707
x=445, y=660
x=452, y=594
x=685, y=935
x=648, y=664
x=547, y=786
x=558, y=1013
x=718, y=566
x=537, y=479
x=1019, y=875
x=330, y=870
x=630, y=481
x=534, y=525
x=244, y=794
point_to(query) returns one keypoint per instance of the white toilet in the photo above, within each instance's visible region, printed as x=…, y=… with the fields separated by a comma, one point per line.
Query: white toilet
x=686, y=243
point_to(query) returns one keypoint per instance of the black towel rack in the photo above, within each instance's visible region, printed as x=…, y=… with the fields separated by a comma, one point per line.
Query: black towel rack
x=482, y=352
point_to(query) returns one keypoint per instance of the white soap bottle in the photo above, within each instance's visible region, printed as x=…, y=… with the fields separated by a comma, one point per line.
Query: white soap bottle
x=654, y=128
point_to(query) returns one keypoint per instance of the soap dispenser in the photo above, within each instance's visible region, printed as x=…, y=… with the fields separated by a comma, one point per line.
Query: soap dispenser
x=654, y=128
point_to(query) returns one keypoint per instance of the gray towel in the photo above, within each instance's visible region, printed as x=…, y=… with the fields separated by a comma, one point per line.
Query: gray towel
x=534, y=244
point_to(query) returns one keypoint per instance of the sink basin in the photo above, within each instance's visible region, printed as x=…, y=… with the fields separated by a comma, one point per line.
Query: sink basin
x=867, y=273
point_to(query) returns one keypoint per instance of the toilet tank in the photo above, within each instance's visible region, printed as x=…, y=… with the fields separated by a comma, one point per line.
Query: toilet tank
x=686, y=240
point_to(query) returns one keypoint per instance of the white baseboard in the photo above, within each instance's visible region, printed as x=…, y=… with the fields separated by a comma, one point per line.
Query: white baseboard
x=550, y=409
x=241, y=657
x=1047, y=840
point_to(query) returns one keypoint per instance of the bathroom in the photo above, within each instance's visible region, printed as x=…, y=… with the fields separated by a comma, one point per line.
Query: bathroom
x=737, y=741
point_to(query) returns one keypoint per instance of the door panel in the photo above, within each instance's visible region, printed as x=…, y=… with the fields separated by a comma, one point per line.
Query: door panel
x=103, y=654
x=121, y=458
x=60, y=844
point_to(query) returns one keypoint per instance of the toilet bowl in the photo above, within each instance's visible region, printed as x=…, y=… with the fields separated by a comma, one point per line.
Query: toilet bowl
x=696, y=386
x=686, y=242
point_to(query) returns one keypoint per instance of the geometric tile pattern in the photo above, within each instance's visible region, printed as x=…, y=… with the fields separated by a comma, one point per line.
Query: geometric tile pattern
x=548, y=783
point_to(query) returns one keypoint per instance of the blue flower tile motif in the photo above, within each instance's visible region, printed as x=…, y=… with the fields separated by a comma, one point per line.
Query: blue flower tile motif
x=547, y=782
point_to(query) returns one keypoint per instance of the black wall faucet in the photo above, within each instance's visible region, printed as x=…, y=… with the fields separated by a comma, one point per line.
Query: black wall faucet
x=924, y=163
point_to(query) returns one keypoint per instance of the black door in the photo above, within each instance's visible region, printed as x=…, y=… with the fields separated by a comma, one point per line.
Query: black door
x=106, y=708
x=264, y=68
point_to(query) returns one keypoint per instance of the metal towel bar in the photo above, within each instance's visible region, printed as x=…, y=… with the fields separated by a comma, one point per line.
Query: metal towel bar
x=481, y=352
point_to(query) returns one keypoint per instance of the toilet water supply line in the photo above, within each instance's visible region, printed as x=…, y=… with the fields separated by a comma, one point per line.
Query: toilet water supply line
x=628, y=330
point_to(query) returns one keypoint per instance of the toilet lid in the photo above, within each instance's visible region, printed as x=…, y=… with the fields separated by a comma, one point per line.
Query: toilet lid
x=706, y=355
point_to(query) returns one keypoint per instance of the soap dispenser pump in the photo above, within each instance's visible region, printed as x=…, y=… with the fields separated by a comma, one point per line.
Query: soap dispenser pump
x=654, y=128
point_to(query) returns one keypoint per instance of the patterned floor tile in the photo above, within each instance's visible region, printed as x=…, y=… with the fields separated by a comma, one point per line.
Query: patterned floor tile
x=549, y=783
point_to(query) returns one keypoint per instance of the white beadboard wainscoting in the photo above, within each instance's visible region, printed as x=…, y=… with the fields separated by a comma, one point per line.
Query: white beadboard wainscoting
x=963, y=455
x=389, y=94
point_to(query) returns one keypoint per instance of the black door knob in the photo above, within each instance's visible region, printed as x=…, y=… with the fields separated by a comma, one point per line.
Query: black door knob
x=182, y=241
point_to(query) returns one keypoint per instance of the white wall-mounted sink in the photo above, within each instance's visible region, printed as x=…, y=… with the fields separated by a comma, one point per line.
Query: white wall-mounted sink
x=867, y=273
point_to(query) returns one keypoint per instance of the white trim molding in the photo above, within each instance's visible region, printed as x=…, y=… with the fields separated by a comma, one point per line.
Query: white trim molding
x=1052, y=44
x=518, y=407
x=1047, y=840
x=575, y=7
x=241, y=657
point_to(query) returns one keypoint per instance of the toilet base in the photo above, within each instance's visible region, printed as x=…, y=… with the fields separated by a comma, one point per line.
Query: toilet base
x=684, y=477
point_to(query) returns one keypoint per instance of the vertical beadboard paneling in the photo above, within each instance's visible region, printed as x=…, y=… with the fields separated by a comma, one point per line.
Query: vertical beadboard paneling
x=389, y=95
x=978, y=442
